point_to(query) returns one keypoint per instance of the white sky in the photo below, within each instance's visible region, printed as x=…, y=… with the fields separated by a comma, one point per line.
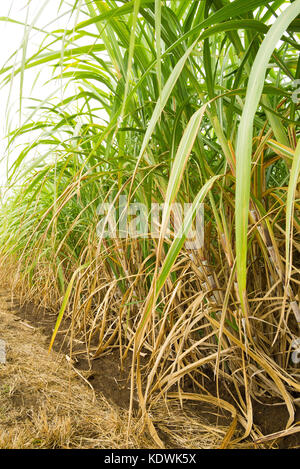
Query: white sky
x=40, y=12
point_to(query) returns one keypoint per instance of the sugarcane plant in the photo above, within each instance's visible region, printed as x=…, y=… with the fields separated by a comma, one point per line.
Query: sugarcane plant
x=167, y=103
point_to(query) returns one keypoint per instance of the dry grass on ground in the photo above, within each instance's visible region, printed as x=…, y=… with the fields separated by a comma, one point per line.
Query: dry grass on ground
x=45, y=404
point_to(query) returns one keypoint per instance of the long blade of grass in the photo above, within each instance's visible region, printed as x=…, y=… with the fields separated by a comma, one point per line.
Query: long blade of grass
x=64, y=304
x=158, y=42
x=294, y=177
x=179, y=164
x=244, y=142
x=174, y=250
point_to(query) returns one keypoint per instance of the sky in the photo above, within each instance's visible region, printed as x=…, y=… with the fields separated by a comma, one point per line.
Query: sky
x=40, y=12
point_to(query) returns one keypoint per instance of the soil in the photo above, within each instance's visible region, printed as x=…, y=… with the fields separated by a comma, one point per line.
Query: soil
x=104, y=373
x=107, y=377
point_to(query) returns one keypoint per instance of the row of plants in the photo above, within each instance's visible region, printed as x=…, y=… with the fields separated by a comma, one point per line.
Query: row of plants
x=174, y=101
